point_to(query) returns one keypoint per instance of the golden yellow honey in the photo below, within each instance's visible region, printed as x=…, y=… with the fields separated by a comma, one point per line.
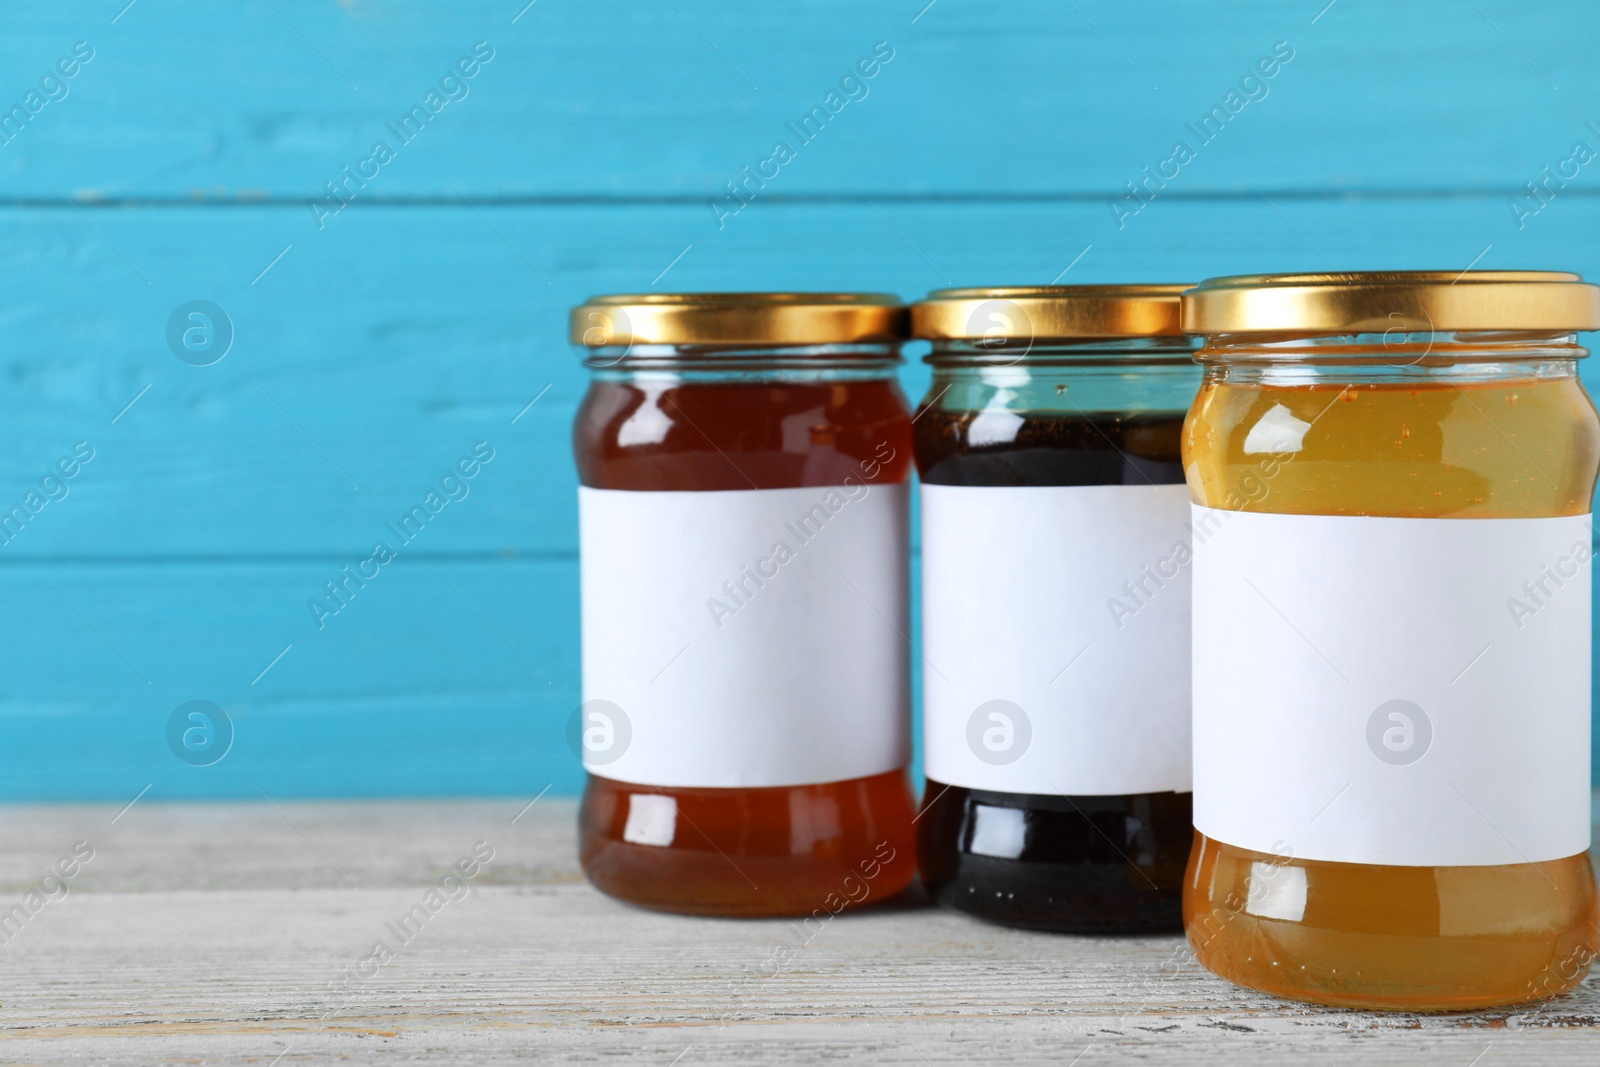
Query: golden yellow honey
x=1436, y=427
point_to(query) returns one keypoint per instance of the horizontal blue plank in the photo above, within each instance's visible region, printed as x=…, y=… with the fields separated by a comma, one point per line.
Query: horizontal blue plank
x=624, y=98
x=369, y=359
x=437, y=678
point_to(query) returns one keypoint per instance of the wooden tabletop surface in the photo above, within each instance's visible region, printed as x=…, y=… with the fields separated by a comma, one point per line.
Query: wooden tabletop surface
x=262, y=933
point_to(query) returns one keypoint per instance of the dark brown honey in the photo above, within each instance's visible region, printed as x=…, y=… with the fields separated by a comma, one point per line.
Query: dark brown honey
x=1084, y=863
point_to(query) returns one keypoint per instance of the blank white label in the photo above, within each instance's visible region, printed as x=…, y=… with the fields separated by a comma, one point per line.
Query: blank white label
x=1410, y=692
x=1056, y=638
x=748, y=638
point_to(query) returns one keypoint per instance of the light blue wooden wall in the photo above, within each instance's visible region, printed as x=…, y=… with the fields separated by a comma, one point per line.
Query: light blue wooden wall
x=426, y=316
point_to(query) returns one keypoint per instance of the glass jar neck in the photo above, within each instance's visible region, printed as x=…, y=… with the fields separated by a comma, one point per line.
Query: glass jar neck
x=1119, y=375
x=1392, y=357
x=697, y=363
x=1016, y=351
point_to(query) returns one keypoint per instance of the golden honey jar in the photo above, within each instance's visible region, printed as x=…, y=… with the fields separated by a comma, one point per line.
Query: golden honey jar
x=1391, y=478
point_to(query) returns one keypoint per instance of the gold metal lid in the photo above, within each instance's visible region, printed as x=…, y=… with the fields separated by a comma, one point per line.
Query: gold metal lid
x=1380, y=301
x=998, y=314
x=727, y=319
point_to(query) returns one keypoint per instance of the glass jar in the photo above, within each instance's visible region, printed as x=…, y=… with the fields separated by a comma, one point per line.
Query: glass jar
x=1055, y=605
x=744, y=462
x=1392, y=478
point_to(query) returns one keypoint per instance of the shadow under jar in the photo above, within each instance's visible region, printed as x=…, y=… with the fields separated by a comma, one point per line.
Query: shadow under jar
x=744, y=463
x=1392, y=478
x=1056, y=606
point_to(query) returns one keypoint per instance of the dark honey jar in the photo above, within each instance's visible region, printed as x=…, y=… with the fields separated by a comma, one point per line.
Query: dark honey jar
x=1056, y=605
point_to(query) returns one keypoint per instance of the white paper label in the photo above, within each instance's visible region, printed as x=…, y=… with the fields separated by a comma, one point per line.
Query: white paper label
x=1411, y=692
x=749, y=638
x=1056, y=638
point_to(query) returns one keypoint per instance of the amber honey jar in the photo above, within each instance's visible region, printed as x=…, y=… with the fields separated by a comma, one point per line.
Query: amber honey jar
x=744, y=462
x=1392, y=478
x=1056, y=605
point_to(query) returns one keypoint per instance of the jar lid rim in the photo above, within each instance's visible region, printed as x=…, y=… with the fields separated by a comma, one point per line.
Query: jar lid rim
x=1383, y=301
x=737, y=319
x=1057, y=312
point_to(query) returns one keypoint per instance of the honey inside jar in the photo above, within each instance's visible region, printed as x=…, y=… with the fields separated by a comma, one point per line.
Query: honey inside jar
x=1485, y=449
x=751, y=721
x=1055, y=634
x=1109, y=863
x=753, y=851
x=1418, y=427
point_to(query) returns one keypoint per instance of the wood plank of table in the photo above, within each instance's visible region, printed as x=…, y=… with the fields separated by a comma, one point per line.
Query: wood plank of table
x=250, y=933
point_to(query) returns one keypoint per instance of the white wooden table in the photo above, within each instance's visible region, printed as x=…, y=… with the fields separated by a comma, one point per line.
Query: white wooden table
x=245, y=933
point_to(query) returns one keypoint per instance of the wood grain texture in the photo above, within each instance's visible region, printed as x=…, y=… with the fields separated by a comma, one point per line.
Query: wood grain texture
x=375, y=348
x=359, y=376
x=221, y=933
x=619, y=98
x=441, y=676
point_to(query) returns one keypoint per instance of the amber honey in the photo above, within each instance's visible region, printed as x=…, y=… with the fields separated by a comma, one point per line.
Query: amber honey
x=714, y=401
x=760, y=851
